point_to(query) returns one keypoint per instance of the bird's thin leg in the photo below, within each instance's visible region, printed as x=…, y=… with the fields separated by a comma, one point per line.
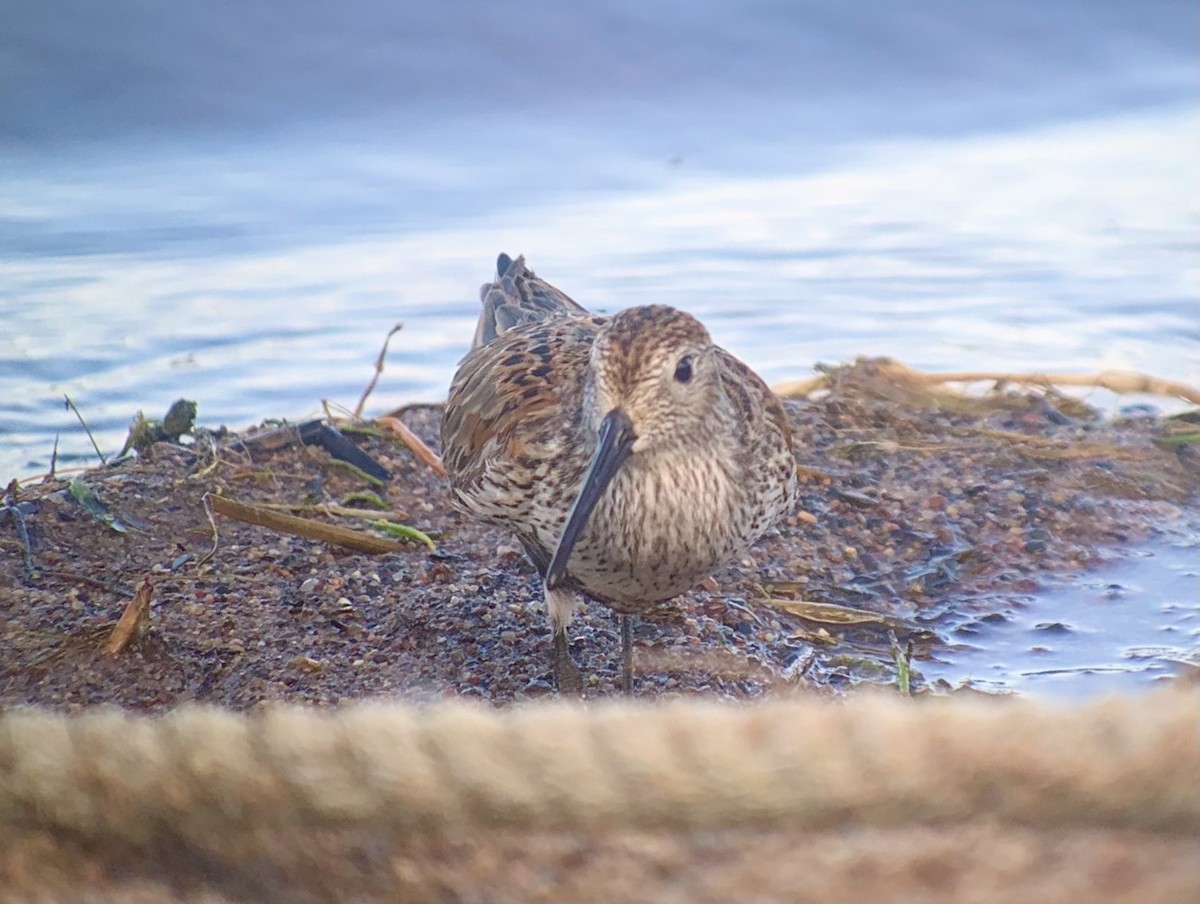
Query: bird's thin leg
x=567, y=677
x=626, y=653
x=560, y=604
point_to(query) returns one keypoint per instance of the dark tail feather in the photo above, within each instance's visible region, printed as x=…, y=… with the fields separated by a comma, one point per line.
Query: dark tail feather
x=518, y=296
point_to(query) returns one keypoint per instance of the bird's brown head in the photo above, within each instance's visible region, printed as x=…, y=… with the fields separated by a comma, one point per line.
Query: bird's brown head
x=652, y=386
x=654, y=364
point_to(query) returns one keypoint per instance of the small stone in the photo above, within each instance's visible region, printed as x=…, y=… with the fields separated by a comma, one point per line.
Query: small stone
x=538, y=687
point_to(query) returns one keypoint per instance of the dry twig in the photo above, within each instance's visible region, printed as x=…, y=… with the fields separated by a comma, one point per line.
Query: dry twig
x=358, y=409
x=328, y=508
x=133, y=623
x=86, y=429
x=302, y=527
x=414, y=442
x=1121, y=382
x=212, y=520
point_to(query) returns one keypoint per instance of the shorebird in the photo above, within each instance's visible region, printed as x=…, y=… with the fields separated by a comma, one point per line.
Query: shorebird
x=630, y=455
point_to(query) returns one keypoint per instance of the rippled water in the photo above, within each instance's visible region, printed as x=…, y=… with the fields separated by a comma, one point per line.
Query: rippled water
x=234, y=206
x=1067, y=248
x=1131, y=624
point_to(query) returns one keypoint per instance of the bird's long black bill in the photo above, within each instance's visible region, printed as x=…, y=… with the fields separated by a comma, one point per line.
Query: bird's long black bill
x=614, y=441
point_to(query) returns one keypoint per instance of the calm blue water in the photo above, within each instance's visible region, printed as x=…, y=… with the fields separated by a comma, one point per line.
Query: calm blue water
x=234, y=202
x=1128, y=625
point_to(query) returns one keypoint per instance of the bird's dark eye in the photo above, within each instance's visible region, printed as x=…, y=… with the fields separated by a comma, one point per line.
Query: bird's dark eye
x=683, y=370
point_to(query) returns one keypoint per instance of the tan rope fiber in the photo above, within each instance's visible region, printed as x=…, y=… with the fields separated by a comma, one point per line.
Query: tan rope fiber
x=198, y=774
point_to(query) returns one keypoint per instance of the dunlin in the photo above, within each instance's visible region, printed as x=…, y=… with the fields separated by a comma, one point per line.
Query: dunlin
x=631, y=456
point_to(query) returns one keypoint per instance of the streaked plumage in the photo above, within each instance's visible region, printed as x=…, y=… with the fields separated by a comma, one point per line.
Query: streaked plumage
x=695, y=459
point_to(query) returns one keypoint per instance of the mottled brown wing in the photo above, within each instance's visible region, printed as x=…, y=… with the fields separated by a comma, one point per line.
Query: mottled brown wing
x=520, y=390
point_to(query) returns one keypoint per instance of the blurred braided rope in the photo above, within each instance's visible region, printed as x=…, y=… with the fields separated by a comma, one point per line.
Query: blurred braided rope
x=219, y=784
